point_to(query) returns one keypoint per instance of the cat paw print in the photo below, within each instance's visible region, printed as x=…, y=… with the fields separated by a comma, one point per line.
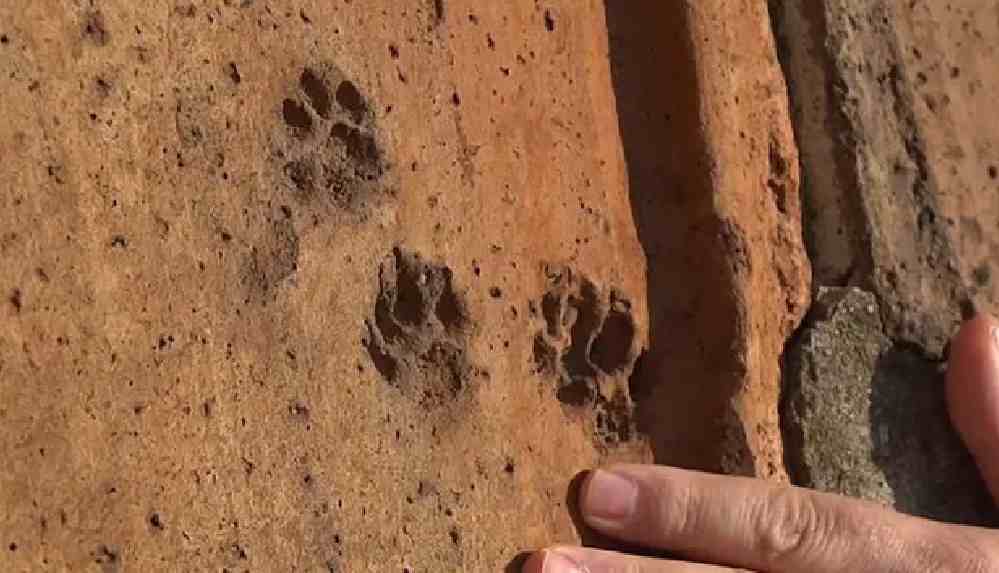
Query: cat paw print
x=419, y=332
x=588, y=346
x=329, y=149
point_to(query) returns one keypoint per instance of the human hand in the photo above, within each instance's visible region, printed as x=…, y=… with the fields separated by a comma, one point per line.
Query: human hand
x=736, y=524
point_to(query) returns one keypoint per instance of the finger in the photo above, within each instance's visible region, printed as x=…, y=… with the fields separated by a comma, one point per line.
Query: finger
x=973, y=394
x=766, y=527
x=582, y=560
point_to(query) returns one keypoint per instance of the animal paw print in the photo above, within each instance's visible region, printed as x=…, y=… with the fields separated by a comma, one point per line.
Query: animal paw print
x=330, y=150
x=589, y=346
x=418, y=336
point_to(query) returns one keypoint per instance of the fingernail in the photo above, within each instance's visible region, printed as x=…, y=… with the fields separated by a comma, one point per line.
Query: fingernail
x=995, y=336
x=557, y=563
x=609, y=497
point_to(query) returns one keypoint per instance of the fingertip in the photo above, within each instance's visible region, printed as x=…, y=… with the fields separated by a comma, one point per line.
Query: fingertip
x=976, y=333
x=552, y=560
x=973, y=378
x=535, y=563
x=972, y=389
x=608, y=498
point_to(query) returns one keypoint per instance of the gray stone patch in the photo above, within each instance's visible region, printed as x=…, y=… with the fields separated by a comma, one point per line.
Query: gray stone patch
x=866, y=417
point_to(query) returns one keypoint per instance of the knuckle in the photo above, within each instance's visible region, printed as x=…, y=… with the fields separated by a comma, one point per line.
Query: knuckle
x=980, y=564
x=636, y=567
x=973, y=554
x=789, y=527
x=676, y=514
x=951, y=549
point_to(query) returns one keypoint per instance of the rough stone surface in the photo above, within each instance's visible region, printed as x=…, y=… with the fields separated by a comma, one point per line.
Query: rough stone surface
x=875, y=191
x=950, y=51
x=331, y=283
x=713, y=173
x=271, y=275
x=866, y=418
x=892, y=118
x=355, y=286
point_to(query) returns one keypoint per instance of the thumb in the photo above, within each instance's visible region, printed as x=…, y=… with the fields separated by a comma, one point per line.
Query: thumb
x=973, y=394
